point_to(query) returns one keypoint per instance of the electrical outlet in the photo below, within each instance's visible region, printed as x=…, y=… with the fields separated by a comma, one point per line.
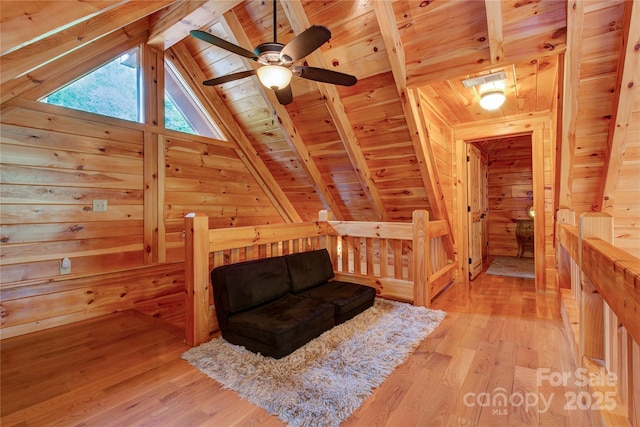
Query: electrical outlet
x=65, y=266
x=100, y=206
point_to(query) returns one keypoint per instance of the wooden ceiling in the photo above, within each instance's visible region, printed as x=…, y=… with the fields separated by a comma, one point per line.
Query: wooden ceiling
x=351, y=150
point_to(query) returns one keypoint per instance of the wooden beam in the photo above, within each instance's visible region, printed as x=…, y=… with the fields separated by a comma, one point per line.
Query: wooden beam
x=493, y=10
x=172, y=24
x=26, y=21
x=418, y=132
x=299, y=22
x=626, y=89
x=573, y=61
x=287, y=127
x=393, y=45
x=152, y=71
x=190, y=71
x=151, y=191
x=43, y=51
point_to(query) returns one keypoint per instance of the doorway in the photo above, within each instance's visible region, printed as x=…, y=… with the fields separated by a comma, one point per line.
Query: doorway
x=541, y=133
x=500, y=204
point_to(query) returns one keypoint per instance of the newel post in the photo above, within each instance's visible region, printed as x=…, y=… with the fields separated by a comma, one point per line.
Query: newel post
x=592, y=225
x=327, y=240
x=196, y=262
x=421, y=291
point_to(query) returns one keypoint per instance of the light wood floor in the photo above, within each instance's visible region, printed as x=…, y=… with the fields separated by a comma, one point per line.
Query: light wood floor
x=125, y=369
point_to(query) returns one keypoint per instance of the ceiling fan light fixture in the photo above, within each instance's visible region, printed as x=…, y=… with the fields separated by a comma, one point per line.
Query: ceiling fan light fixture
x=274, y=76
x=492, y=100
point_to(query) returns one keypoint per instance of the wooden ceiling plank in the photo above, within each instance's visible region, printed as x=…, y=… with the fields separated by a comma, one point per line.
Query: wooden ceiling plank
x=494, y=28
x=287, y=127
x=56, y=74
x=186, y=66
x=300, y=22
x=26, y=21
x=43, y=51
x=626, y=88
x=422, y=147
x=573, y=60
x=169, y=28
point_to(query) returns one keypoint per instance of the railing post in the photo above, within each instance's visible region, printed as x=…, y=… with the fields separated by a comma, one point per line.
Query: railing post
x=592, y=225
x=421, y=294
x=326, y=240
x=196, y=279
x=563, y=259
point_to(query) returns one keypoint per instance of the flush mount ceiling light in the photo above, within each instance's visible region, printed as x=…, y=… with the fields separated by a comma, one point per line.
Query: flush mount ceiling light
x=492, y=100
x=491, y=89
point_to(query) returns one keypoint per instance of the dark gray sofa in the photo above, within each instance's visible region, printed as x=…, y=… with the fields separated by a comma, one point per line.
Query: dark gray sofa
x=275, y=305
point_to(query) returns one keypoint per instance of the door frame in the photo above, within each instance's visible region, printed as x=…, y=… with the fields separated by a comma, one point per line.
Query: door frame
x=532, y=125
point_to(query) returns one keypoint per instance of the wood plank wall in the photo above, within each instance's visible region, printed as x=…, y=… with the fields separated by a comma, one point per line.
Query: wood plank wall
x=55, y=162
x=626, y=210
x=510, y=191
x=206, y=176
x=443, y=146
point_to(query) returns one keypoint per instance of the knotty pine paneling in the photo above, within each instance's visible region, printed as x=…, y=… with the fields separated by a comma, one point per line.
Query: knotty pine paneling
x=377, y=117
x=203, y=176
x=599, y=64
x=55, y=162
x=510, y=191
x=626, y=210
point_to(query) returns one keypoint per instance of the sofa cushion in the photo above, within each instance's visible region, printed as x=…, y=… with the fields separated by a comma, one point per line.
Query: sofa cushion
x=247, y=284
x=309, y=269
x=277, y=328
x=348, y=298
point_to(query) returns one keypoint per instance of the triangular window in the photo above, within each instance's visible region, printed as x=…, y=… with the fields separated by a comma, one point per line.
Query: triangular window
x=112, y=90
x=182, y=110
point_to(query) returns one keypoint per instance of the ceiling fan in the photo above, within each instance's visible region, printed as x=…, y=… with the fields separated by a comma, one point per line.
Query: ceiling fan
x=276, y=61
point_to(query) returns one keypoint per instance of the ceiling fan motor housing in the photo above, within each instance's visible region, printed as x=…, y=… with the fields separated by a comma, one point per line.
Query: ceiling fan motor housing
x=269, y=54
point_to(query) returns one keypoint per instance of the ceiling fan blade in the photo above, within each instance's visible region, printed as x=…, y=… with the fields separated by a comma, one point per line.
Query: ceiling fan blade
x=229, y=78
x=306, y=42
x=217, y=41
x=325, y=76
x=284, y=95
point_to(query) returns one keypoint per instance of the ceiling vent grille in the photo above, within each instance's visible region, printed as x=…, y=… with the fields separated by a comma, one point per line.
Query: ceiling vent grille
x=477, y=81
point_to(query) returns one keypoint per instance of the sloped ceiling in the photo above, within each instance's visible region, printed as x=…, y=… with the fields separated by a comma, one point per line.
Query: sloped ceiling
x=351, y=150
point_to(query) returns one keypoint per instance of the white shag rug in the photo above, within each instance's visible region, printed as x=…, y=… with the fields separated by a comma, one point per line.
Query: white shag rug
x=323, y=382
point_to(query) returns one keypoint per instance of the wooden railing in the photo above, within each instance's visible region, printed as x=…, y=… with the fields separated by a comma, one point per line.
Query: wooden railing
x=600, y=307
x=402, y=261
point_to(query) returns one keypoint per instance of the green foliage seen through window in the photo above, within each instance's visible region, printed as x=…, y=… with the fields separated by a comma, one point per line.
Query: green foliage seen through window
x=111, y=90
